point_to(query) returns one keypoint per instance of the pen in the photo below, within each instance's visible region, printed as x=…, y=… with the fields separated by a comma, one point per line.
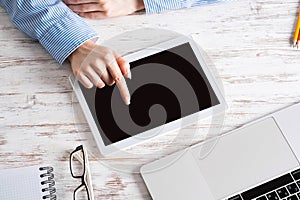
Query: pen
x=296, y=34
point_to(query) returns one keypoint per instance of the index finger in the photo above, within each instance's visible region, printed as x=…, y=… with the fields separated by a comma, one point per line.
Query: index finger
x=122, y=86
x=116, y=74
x=124, y=66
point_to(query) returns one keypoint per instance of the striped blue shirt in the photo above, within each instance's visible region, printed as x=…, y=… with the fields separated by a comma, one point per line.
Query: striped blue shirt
x=155, y=6
x=52, y=23
x=60, y=30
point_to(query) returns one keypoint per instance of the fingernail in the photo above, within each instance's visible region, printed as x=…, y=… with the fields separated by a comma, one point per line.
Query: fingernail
x=127, y=101
x=129, y=74
x=101, y=85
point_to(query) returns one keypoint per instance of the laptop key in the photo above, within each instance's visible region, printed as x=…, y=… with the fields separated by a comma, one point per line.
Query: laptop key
x=282, y=192
x=294, y=197
x=272, y=196
x=267, y=187
x=298, y=194
x=296, y=174
x=262, y=198
x=292, y=188
x=237, y=197
x=298, y=183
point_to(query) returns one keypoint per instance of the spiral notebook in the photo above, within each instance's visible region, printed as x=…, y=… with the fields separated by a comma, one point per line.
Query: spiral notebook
x=28, y=183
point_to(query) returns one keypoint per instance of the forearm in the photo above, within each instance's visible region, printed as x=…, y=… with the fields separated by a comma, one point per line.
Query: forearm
x=51, y=22
x=156, y=6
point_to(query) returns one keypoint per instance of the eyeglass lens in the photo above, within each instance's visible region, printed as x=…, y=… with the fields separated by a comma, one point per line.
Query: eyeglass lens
x=77, y=167
x=81, y=193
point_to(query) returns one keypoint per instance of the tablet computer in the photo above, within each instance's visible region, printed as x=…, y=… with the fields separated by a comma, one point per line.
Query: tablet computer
x=171, y=87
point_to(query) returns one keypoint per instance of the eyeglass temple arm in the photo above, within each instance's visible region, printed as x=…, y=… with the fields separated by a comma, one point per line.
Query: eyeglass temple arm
x=88, y=173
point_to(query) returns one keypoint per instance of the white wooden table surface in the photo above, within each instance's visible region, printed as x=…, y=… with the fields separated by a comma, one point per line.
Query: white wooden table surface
x=247, y=41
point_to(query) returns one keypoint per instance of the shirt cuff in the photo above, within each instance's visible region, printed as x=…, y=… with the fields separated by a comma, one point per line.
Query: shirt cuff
x=66, y=36
x=156, y=6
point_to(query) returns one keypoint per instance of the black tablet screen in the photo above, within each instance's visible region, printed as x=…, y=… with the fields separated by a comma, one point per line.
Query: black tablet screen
x=165, y=86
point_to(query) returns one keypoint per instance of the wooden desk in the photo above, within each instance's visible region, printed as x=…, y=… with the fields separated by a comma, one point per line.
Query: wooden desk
x=248, y=42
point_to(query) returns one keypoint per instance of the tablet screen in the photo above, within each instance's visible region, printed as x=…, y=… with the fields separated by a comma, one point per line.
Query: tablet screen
x=165, y=86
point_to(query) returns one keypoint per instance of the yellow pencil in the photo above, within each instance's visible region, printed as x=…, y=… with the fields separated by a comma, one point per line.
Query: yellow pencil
x=298, y=41
x=296, y=34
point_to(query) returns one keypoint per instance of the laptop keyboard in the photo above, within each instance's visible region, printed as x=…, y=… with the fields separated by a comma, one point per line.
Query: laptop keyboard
x=286, y=187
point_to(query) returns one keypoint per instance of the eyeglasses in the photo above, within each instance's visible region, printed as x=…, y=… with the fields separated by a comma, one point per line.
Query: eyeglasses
x=80, y=170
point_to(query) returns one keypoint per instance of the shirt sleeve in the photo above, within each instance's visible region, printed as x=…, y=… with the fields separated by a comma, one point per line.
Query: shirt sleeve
x=52, y=23
x=156, y=6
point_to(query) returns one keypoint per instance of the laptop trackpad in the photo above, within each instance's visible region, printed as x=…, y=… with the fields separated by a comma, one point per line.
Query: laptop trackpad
x=244, y=158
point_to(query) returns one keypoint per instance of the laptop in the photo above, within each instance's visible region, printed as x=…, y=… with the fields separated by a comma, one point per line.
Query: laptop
x=259, y=161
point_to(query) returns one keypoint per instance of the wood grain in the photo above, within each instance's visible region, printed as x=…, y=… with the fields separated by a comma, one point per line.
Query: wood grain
x=248, y=43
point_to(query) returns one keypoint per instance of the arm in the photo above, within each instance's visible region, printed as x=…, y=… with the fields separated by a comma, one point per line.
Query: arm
x=111, y=8
x=65, y=35
x=156, y=6
x=52, y=23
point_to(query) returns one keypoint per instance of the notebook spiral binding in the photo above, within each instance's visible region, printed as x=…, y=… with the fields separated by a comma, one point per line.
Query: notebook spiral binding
x=50, y=183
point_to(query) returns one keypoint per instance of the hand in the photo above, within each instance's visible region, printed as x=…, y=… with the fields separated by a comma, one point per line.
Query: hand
x=98, y=65
x=104, y=8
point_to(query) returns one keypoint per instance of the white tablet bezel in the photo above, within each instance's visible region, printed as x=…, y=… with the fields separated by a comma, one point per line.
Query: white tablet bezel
x=171, y=126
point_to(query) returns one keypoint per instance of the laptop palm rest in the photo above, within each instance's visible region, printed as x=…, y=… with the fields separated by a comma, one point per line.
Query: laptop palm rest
x=244, y=158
